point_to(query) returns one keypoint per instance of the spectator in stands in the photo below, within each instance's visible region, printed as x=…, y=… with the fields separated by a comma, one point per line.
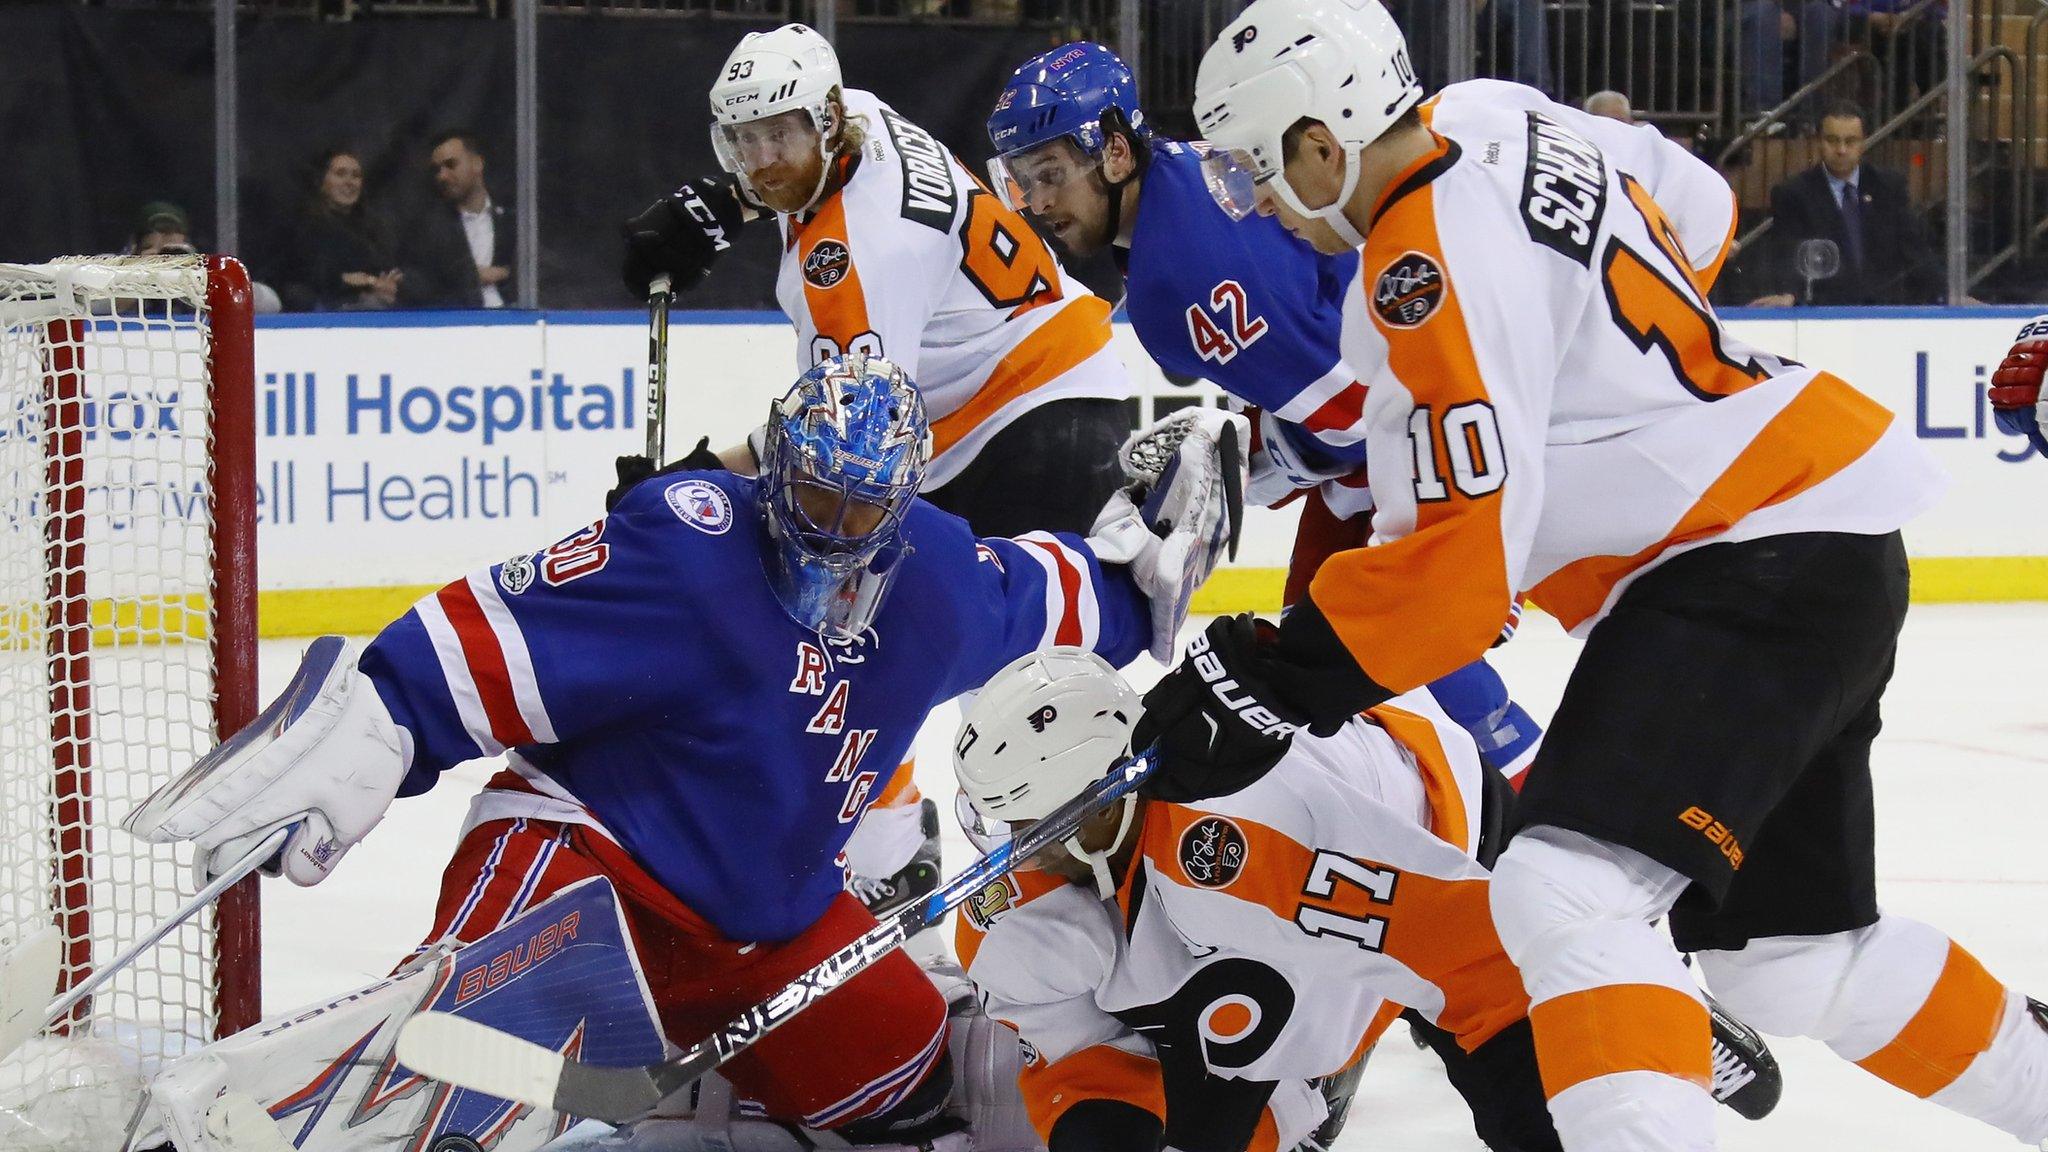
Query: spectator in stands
x=164, y=229
x=161, y=229
x=340, y=255
x=1886, y=255
x=1611, y=104
x=1508, y=33
x=459, y=254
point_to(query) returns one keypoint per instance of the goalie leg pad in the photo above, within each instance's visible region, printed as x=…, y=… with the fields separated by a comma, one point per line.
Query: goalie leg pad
x=563, y=975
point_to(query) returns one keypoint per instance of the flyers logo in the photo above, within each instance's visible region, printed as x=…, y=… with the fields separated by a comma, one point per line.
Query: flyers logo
x=827, y=264
x=1408, y=291
x=1213, y=852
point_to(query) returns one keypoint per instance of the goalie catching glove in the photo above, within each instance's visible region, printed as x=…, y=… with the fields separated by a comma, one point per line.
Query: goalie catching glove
x=1181, y=512
x=324, y=759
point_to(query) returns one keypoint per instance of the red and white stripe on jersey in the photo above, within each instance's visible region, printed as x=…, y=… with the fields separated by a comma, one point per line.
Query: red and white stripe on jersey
x=1332, y=407
x=486, y=664
x=1073, y=615
x=885, y=1091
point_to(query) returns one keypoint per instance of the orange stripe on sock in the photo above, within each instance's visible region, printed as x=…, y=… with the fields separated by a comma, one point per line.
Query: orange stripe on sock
x=1956, y=1022
x=902, y=789
x=1621, y=1028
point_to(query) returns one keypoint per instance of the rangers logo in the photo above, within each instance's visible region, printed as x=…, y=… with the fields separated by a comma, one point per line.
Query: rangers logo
x=1042, y=717
x=827, y=264
x=1409, y=291
x=702, y=505
x=516, y=575
x=1001, y=895
x=1213, y=852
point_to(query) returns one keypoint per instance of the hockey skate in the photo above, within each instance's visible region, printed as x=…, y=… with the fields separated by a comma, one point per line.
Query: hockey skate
x=1746, y=1076
x=885, y=895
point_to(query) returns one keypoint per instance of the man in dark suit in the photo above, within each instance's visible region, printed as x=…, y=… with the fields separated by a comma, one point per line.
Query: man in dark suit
x=1886, y=255
x=459, y=252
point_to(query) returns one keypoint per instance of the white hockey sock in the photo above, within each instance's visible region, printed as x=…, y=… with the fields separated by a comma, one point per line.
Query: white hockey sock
x=1622, y=1038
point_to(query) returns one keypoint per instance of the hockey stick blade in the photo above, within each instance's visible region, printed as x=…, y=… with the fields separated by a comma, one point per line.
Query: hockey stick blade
x=476, y=1056
x=1233, y=485
x=28, y=978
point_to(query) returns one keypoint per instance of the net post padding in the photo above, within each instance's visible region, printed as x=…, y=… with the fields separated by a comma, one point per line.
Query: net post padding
x=68, y=629
x=232, y=479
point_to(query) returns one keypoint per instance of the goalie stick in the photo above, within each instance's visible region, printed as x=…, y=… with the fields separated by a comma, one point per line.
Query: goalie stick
x=463, y=1052
x=29, y=972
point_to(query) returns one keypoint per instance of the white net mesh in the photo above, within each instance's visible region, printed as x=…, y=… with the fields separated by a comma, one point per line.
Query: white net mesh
x=106, y=676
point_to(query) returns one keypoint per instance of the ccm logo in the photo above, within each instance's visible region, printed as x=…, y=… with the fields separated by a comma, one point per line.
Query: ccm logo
x=702, y=214
x=1248, y=709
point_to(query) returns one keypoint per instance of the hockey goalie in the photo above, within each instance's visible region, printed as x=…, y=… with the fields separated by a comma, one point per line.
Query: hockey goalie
x=696, y=697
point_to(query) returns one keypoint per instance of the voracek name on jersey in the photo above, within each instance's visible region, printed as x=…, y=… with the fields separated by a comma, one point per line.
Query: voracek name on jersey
x=292, y=406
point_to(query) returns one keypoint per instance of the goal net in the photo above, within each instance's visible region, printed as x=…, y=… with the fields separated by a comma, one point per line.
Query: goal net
x=127, y=649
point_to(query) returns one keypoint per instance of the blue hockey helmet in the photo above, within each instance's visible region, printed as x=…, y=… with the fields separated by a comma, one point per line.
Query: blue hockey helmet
x=842, y=458
x=1080, y=92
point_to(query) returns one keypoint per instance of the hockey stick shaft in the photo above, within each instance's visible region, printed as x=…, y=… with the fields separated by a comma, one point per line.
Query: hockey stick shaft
x=463, y=1052
x=658, y=296
x=63, y=1005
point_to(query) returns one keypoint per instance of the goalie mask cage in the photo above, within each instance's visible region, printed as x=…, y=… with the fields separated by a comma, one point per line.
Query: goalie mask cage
x=127, y=639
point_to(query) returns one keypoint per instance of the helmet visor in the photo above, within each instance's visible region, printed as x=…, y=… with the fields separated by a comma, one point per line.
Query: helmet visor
x=1031, y=178
x=789, y=138
x=1231, y=184
x=987, y=834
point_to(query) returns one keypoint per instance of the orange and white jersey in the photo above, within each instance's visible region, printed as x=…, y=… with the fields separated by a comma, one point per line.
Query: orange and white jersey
x=1552, y=407
x=914, y=259
x=1277, y=924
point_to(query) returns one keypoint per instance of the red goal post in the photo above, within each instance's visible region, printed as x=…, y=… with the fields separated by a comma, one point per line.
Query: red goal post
x=127, y=631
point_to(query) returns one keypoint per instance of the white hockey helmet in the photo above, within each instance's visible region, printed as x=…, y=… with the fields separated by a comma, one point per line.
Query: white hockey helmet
x=1043, y=729
x=791, y=69
x=1343, y=62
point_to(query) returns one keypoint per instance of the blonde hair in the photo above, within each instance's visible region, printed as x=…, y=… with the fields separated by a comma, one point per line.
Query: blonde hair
x=852, y=135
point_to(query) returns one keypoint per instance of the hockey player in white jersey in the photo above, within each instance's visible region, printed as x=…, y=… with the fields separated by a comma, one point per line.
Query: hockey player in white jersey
x=891, y=247
x=1553, y=409
x=1187, y=975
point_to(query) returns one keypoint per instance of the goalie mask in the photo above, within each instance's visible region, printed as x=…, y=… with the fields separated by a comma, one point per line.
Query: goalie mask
x=842, y=456
x=1044, y=728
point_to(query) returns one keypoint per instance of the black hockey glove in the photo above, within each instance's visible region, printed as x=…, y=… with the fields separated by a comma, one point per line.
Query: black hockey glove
x=682, y=234
x=1227, y=713
x=633, y=469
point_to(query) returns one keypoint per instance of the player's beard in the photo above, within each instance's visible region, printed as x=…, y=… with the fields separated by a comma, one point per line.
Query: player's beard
x=1111, y=201
x=1098, y=237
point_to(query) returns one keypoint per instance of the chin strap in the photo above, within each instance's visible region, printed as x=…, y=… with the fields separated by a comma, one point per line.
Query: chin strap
x=1114, y=124
x=1098, y=862
x=1333, y=212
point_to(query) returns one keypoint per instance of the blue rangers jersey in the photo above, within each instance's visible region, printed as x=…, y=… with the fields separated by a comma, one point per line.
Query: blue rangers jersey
x=645, y=683
x=1246, y=305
